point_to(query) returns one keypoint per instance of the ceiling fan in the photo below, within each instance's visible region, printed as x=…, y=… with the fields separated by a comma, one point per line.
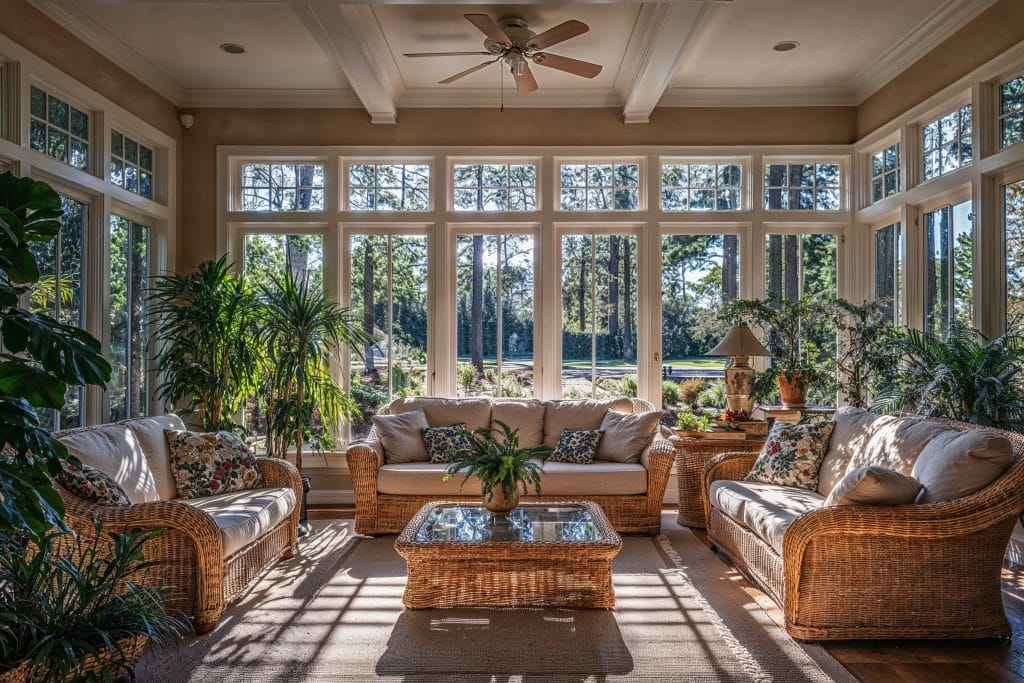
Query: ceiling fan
x=512, y=42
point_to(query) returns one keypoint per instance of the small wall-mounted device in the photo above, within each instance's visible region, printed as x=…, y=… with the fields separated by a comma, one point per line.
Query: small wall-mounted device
x=186, y=120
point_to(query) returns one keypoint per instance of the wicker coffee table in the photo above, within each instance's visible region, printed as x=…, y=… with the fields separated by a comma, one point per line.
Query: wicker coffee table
x=541, y=555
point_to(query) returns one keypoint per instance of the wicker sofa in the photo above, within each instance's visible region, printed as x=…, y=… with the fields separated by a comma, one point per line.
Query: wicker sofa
x=211, y=548
x=388, y=495
x=925, y=570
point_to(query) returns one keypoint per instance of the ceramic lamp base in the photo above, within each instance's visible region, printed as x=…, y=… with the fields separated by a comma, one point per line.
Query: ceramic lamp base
x=739, y=382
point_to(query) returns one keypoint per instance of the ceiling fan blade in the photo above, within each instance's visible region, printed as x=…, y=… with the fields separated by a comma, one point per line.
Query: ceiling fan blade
x=575, y=67
x=564, y=31
x=488, y=28
x=441, y=54
x=468, y=71
x=526, y=82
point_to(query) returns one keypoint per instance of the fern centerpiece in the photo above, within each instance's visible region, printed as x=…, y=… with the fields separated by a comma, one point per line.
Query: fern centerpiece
x=503, y=467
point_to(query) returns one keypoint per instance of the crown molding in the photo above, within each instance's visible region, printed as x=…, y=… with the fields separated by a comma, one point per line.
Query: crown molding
x=926, y=36
x=792, y=96
x=566, y=98
x=260, y=98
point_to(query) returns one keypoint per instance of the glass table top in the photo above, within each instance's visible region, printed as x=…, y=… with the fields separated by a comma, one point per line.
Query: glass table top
x=525, y=524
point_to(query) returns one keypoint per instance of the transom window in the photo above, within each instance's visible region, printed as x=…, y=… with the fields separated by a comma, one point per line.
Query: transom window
x=131, y=165
x=600, y=187
x=946, y=142
x=804, y=187
x=282, y=187
x=885, y=173
x=495, y=187
x=1011, y=112
x=58, y=130
x=700, y=187
x=389, y=187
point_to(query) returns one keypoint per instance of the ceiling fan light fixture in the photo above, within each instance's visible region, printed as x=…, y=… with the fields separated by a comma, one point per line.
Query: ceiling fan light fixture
x=785, y=46
x=518, y=65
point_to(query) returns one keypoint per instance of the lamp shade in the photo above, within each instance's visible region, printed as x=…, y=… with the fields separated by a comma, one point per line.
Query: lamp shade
x=739, y=341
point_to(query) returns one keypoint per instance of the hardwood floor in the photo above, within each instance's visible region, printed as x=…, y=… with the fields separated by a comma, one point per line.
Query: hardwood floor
x=898, y=661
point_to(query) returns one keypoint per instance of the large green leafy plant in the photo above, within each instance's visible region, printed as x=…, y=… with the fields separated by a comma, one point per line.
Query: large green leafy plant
x=208, y=335
x=501, y=464
x=866, y=354
x=41, y=358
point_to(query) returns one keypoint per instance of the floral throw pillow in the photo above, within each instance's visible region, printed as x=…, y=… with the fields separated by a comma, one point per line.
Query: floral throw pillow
x=792, y=454
x=205, y=464
x=447, y=444
x=577, y=446
x=88, y=483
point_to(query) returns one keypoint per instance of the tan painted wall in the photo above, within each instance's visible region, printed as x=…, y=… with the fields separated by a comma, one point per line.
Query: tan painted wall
x=671, y=126
x=988, y=35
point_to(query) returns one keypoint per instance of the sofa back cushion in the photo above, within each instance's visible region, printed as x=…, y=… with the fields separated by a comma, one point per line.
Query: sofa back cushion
x=626, y=435
x=115, y=450
x=955, y=464
x=525, y=415
x=149, y=432
x=401, y=436
x=445, y=412
x=581, y=414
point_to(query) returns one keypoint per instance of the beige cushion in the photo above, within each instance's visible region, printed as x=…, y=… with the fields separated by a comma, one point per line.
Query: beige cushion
x=626, y=435
x=402, y=436
x=445, y=412
x=874, y=485
x=150, y=434
x=245, y=516
x=562, y=415
x=559, y=479
x=956, y=464
x=766, y=509
x=115, y=451
x=526, y=416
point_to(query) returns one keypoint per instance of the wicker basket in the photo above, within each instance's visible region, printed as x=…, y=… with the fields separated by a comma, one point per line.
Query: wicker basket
x=691, y=454
x=131, y=650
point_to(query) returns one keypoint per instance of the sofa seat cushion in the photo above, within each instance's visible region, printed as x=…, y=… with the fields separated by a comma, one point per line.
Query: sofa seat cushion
x=149, y=431
x=115, y=451
x=244, y=516
x=766, y=509
x=559, y=479
x=445, y=412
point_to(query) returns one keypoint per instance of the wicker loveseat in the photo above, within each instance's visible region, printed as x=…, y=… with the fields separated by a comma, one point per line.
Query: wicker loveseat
x=925, y=570
x=388, y=495
x=211, y=548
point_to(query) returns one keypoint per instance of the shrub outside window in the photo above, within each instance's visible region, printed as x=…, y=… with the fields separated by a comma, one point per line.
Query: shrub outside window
x=1011, y=112
x=131, y=165
x=273, y=187
x=389, y=187
x=885, y=173
x=58, y=130
x=802, y=186
x=700, y=187
x=947, y=142
x=600, y=187
x=495, y=187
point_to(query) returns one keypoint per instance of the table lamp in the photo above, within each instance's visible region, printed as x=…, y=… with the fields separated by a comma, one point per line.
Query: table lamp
x=739, y=344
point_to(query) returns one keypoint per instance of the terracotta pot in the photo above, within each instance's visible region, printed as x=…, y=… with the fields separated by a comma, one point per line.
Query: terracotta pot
x=499, y=503
x=793, y=389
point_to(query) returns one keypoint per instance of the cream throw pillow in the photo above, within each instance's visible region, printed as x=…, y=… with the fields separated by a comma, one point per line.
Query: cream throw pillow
x=874, y=485
x=956, y=464
x=626, y=435
x=402, y=436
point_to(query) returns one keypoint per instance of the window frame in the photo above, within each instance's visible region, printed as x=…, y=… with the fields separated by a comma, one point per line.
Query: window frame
x=96, y=148
x=745, y=190
x=844, y=184
x=643, y=182
x=956, y=106
x=997, y=131
x=540, y=196
x=236, y=189
x=343, y=183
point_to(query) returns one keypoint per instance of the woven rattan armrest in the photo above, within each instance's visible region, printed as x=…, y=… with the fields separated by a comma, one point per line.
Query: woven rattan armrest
x=657, y=459
x=726, y=466
x=279, y=473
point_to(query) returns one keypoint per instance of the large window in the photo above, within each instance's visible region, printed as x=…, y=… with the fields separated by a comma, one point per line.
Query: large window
x=599, y=315
x=282, y=187
x=275, y=255
x=889, y=269
x=698, y=274
x=58, y=129
x=701, y=187
x=129, y=389
x=389, y=299
x=947, y=142
x=600, y=187
x=885, y=173
x=949, y=267
x=494, y=315
x=131, y=165
x=389, y=187
x=804, y=187
x=59, y=293
x=1011, y=112
x=495, y=187
x=1013, y=217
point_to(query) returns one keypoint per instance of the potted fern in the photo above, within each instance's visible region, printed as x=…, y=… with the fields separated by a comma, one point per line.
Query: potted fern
x=503, y=467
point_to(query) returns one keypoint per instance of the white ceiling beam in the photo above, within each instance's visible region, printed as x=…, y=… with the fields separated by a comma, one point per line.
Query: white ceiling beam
x=664, y=30
x=334, y=28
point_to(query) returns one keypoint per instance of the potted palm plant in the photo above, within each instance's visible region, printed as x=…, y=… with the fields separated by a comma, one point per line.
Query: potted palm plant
x=503, y=467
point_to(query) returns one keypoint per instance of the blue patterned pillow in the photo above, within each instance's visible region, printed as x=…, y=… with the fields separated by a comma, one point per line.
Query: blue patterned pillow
x=578, y=446
x=447, y=444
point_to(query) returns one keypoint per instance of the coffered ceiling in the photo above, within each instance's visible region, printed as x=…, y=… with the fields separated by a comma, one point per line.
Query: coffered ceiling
x=331, y=53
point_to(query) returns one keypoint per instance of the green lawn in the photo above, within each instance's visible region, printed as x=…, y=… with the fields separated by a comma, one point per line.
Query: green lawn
x=698, y=362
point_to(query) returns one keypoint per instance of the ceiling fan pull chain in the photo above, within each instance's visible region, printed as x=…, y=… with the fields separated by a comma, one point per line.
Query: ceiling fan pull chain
x=501, y=88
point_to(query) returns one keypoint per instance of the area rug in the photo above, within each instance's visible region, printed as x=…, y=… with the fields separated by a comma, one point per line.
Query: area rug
x=335, y=614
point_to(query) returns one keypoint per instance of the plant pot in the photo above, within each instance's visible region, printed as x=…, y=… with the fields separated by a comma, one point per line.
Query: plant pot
x=304, y=529
x=499, y=503
x=128, y=657
x=793, y=389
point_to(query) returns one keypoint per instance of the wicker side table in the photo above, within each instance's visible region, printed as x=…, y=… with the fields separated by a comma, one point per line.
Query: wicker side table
x=691, y=455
